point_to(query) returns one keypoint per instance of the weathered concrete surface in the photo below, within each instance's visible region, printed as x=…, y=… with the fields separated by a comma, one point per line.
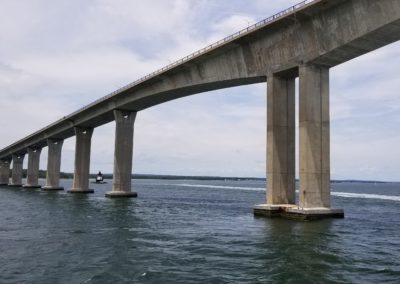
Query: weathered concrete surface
x=53, y=165
x=314, y=137
x=82, y=160
x=5, y=172
x=271, y=210
x=124, y=122
x=280, y=140
x=325, y=33
x=16, y=175
x=297, y=213
x=32, y=178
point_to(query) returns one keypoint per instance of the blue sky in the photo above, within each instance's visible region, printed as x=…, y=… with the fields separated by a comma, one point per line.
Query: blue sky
x=57, y=56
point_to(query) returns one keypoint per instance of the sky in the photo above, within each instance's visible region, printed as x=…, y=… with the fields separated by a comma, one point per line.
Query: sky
x=57, y=56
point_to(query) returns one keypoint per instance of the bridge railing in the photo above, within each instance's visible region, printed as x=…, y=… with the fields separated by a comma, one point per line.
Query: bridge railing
x=200, y=52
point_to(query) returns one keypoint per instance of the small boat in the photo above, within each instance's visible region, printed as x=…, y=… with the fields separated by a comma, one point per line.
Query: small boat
x=99, y=178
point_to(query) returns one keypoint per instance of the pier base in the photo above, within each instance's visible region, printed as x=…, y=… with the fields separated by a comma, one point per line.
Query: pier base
x=14, y=185
x=52, y=188
x=121, y=194
x=80, y=191
x=31, y=186
x=290, y=211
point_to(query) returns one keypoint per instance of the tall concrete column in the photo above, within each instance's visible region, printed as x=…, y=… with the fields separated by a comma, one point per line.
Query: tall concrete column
x=5, y=172
x=280, y=140
x=82, y=160
x=16, y=176
x=32, y=177
x=314, y=141
x=123, y=154
x=53, y=165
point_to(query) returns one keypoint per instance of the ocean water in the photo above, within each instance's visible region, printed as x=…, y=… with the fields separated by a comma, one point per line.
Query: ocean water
x=196, y=232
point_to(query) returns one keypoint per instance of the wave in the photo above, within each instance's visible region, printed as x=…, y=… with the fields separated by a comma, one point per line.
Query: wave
x=334, y=193
x=221, y=187
x=366, y=196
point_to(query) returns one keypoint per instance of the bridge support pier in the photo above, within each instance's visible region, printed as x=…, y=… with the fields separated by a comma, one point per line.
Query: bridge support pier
x=53, y=165
x=280, y=144
x=314, y=148
x=32, y=177
x=4, y=172
x=123, y=155
x=82, y=161
x=16, y=176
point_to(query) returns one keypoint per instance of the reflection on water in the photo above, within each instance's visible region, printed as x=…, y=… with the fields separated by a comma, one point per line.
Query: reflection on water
x=300, y=252
x=205, y=233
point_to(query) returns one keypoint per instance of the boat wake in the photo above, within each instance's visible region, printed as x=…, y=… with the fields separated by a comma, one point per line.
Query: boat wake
x=334, y=193
x=366, y=196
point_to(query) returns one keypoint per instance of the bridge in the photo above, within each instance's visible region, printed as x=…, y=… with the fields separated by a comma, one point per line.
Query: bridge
x=303, y=41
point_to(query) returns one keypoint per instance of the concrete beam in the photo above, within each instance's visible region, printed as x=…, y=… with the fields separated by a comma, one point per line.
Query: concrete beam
x=5, y=172
x=16, y=176
x=280, y=140
x=123, y=152
x=82, y=161
x=53, y=165
x=32, y=179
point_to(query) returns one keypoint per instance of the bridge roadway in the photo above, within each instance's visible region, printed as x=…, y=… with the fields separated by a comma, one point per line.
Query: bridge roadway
x=303, y=41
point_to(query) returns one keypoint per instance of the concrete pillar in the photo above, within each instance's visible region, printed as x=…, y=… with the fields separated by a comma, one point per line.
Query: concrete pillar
x=280, y=140
x=5, y=172
x=32, y=177
x=314, y=137
x=53, y=165
x=16, y=176
x=82, y=161
x=123, y=154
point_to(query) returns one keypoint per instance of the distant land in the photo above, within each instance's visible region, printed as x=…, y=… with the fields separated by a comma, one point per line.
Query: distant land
x=42, y=174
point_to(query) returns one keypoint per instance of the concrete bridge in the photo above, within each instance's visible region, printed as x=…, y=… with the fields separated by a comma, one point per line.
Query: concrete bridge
x=303, y=41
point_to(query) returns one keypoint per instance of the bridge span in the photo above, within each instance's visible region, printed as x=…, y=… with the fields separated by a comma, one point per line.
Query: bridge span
x=303, y=41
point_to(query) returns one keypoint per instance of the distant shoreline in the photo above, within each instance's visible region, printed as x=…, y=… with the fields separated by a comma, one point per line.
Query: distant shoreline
x=42, y=174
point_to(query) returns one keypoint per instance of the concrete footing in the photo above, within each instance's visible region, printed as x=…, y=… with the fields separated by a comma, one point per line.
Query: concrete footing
x=14, y=185
x=31, y=186
x=80, y=191
x=52, y=188
x=120, y=194
x=291, y=211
